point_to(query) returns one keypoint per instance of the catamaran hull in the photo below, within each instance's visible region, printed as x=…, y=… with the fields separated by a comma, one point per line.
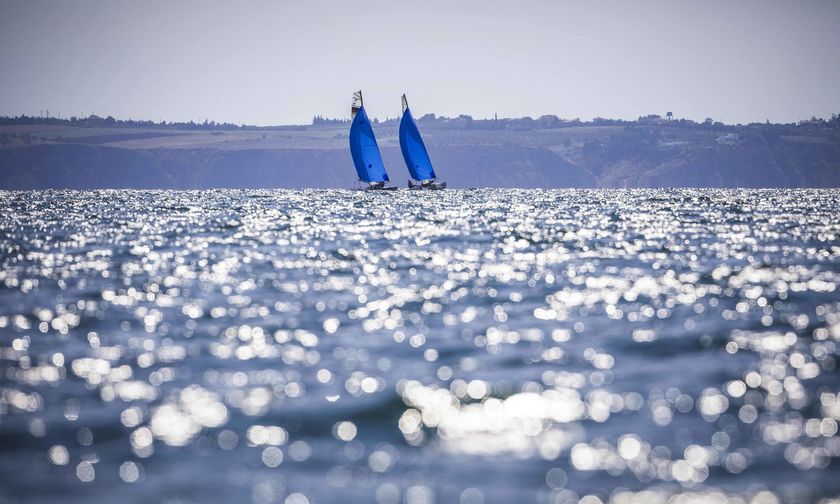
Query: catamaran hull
x=377, y=189
x=433, y=186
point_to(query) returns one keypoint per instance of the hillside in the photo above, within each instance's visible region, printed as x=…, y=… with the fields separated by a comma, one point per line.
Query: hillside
x=40, y=156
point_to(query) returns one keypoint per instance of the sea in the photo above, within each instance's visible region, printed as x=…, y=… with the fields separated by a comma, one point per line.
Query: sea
x=408, y=347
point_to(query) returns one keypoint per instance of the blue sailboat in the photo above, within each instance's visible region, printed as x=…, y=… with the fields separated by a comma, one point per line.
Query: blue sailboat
x=414, y=152
x=364, y=149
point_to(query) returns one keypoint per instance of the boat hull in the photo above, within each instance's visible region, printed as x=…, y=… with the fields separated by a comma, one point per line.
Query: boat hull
x=377, y=189
x=431, y=186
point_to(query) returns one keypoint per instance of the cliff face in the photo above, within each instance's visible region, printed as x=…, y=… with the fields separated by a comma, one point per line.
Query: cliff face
x=568, y=157
x=53, y=166
x=756, y=161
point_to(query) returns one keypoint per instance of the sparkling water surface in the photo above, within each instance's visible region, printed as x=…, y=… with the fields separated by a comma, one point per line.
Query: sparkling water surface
x=407, y=347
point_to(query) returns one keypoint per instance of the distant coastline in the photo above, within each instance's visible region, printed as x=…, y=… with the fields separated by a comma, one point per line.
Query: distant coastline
x=652, y=151
x=462, y=121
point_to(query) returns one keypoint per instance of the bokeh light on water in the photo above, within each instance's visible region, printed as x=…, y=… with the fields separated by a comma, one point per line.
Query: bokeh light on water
x=462, y=346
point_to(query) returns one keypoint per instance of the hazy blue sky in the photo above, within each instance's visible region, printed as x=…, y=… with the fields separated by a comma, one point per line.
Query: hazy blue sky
x=278, y=62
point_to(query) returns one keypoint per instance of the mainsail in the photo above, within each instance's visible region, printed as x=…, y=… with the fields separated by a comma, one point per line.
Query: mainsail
x=413, y=149
x=363, y=146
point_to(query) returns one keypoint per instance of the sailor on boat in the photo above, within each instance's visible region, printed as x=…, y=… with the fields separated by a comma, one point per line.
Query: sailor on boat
x=415, y=154
x=365, y=150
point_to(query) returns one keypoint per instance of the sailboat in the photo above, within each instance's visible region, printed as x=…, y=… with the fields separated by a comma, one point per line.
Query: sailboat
x=365, y=150
x=415, y=154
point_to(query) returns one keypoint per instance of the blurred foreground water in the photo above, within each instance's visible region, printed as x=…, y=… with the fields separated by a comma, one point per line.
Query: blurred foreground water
x=458, y=346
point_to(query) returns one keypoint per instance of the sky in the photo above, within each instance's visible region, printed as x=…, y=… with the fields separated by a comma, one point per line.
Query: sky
x=283, y=62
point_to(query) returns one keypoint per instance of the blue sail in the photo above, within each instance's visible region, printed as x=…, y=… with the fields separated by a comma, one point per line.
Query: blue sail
x=413, y=149
x=365, y=151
